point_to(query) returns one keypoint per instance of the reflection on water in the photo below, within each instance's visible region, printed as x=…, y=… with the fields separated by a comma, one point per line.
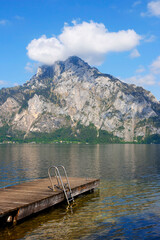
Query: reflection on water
x=126, y=206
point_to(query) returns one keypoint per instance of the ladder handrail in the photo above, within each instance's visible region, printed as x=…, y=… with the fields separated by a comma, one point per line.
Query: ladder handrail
x=58, y=176
x=50, y=178
x=65, y=173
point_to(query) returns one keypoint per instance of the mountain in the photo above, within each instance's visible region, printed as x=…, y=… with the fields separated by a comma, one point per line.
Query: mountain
x=70, y=100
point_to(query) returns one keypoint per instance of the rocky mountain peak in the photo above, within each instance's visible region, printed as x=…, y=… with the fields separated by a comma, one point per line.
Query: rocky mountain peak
x=72, y=94
x=74, y=65
x=44, y=71
x=75, y=62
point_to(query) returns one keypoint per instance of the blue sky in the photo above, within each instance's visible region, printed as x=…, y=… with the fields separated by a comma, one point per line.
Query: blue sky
x=121, y=38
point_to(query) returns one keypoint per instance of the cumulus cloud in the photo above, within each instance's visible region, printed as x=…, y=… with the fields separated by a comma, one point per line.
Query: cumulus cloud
x=89, y=40
x=155, y=66
x=153, y=9
x=135, y=53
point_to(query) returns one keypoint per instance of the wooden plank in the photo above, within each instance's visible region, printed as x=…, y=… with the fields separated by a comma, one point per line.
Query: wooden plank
x=20, y=201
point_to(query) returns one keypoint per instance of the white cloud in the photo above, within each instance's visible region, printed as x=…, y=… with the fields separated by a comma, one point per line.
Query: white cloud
x=148, y=79
x=31, y=67
x=155, y=66
x=135, y=53
x=6, y=84
x=2, y=82
x=136, y=3
x=89, y=40
x=140, y=69
x=3, y=22
x=150, y=38
x=17, y=17
x=153, y=9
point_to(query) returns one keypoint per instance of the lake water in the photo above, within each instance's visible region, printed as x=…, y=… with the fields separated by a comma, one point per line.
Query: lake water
x=126, y=205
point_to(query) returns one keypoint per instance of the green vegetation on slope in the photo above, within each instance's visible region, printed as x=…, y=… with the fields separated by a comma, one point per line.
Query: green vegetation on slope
x=155, y=138
x=81, y=133
x=4, y=133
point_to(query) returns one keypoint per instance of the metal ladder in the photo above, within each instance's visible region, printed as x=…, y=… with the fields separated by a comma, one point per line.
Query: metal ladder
x=60, y=185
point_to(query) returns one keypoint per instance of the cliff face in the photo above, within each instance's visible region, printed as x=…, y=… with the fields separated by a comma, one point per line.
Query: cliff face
x=72, y=92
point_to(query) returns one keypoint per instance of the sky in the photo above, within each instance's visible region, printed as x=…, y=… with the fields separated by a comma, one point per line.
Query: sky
x=121, y=38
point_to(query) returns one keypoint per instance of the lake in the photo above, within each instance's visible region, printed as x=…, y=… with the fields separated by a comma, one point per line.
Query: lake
x=126, y=205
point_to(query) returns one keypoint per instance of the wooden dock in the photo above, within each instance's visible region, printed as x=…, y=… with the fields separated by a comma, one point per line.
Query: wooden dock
x=20, y=201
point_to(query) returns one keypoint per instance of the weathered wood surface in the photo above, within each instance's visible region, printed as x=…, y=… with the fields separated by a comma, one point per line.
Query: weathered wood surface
x=20, y=201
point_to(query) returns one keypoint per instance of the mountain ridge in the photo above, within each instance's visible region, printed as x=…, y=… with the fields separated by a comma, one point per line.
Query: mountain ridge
x=75, y=96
